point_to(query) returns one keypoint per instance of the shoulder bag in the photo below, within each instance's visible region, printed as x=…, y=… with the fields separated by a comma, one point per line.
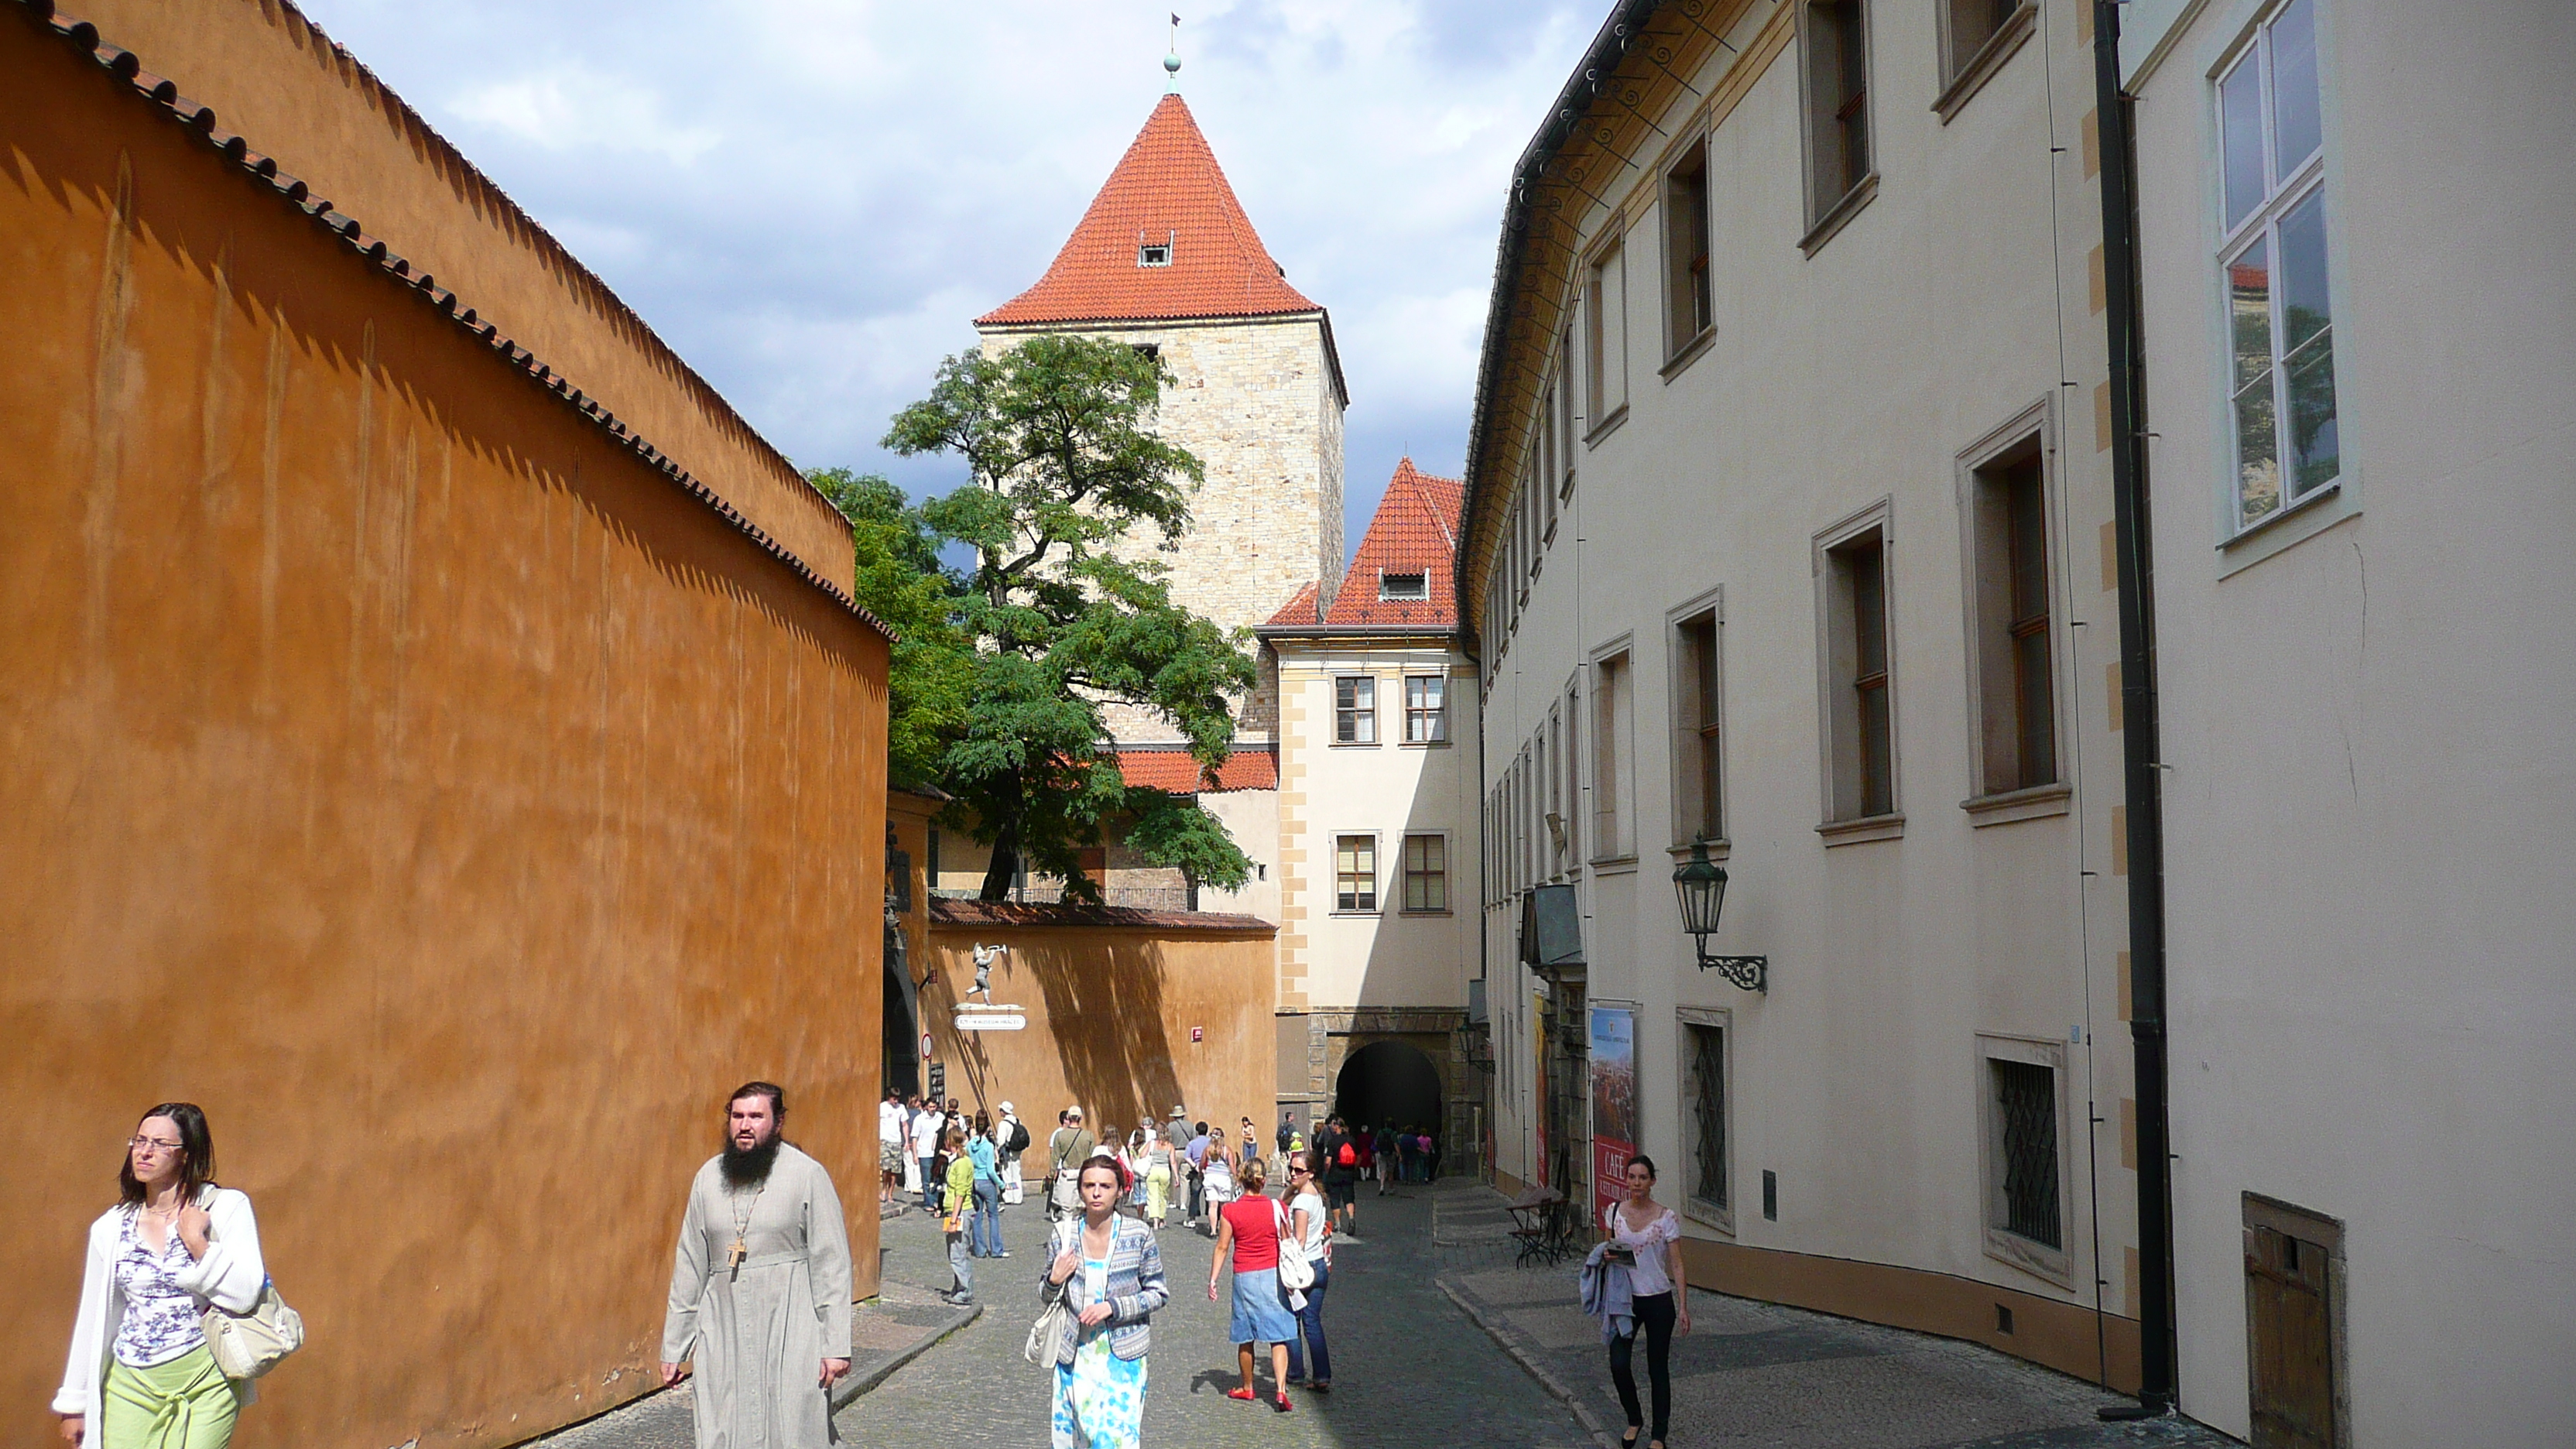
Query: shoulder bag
x=1046, y=1336
x=1296, y=1270
x=246, y=1345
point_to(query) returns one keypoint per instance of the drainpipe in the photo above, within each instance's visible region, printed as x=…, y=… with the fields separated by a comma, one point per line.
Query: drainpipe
x=2143, y=791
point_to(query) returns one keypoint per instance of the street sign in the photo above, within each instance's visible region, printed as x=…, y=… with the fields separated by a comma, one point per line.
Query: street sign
x=991, y=1021
x=925, y=1046
x=1198, y=1033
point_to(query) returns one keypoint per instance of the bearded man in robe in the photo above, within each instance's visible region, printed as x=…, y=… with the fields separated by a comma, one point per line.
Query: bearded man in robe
x=760, y=1289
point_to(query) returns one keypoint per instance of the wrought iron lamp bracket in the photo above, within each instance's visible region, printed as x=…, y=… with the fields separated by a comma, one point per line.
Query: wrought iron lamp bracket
x=1751, y=973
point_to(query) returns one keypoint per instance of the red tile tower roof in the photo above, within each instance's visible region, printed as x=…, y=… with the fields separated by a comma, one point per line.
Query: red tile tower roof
x=1415, y=531
x=1167, y=189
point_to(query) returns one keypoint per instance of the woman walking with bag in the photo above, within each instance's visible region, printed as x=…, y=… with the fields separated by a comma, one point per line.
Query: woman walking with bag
x=143, y=1374
x=1248, y=1231
x=1107, y=1273
x=1309, y=1225
x=1643, y=1237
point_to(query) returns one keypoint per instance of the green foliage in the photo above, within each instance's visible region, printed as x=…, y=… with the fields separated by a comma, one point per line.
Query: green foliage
x=1057, y=434
x=900, y=580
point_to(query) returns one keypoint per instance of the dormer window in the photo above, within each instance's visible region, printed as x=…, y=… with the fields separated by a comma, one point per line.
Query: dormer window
x=1404, y=586
x=1154, y=254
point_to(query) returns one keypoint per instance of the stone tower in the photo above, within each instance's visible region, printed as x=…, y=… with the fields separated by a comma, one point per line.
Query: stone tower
x=1166, y=259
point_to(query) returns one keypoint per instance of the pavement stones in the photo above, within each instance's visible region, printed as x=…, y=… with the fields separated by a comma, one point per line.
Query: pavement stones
x=1408, y=1369
x=1753, y=1373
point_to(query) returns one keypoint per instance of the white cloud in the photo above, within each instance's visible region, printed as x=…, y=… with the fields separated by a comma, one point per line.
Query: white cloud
x=811, y=198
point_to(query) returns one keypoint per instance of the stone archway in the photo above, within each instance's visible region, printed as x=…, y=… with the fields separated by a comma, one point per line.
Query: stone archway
x=1392, y=1083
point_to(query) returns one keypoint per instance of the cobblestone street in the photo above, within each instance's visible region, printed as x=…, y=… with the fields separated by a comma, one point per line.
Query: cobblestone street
x=1438, y=1339
x=1409, y=1369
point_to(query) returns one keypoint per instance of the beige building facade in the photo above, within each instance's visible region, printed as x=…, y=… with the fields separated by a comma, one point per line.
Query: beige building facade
x=2359, y=368
x=1787, y=499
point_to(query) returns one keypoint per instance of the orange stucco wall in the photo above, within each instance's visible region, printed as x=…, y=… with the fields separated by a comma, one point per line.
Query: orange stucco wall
x=1110, y=1011
x=296, y=96
x=392, y=764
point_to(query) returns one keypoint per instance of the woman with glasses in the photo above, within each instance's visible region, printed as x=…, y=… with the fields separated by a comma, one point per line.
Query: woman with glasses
x=141, y=1375
x=1310, y=1224
x=1108, y=1270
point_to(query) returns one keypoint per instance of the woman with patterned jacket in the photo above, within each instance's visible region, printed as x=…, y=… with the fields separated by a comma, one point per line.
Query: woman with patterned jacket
x=1108, y=1270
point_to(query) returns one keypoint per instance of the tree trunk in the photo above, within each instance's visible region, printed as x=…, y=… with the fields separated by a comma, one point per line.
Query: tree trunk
x=1004, y=868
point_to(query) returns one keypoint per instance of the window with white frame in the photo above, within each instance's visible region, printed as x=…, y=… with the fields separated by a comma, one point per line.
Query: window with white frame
x=1355, y=872
x=1426, y=873
x=2272, y=269
x=1355, y=710
x=1426, y=709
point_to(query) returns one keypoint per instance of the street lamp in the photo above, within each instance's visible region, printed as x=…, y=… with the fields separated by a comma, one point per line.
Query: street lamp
x=1701, y=884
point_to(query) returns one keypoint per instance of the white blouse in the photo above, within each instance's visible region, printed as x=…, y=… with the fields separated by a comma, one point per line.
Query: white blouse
x=1651, y=1244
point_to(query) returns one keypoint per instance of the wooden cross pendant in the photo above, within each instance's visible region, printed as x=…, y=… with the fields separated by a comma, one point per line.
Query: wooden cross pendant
x=735, y=1254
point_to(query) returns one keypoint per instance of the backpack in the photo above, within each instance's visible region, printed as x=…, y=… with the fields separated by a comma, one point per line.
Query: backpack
x=1019, y=1138
x=1346, y=1155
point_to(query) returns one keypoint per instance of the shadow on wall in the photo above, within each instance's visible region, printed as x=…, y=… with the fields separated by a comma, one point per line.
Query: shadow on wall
x=1106, y=1005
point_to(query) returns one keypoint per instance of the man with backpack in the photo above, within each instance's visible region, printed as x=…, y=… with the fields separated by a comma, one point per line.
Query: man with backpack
x=1341, y=1158
x=1010, y=1139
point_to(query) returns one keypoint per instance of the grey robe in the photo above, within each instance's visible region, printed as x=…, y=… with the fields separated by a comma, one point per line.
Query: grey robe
x=760, y=1332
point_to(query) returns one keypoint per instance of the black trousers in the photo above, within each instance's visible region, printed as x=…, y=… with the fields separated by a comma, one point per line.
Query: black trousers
x=1655, y=1323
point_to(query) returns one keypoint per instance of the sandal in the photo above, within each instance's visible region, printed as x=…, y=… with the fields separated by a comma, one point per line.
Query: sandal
x=1281, y=1405
x=1243, y=1394
x=1321, y=1386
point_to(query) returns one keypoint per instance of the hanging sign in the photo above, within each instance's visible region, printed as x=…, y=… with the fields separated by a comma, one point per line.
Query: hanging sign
x=1614, y=1102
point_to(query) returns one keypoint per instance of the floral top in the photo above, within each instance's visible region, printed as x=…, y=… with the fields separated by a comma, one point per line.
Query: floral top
x=1649, y=1276
x=162, y=1320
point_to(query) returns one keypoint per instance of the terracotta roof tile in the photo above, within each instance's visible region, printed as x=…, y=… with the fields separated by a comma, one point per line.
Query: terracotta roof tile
x=1300, y=612
x=1168, y=187
x=1177, y=771
x=1415, y=531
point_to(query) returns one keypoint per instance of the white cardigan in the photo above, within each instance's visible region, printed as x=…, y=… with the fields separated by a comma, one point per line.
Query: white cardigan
x=230, y=1275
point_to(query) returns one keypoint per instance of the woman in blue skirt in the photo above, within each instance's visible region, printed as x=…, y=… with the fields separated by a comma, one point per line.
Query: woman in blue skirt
x=1248, y=1235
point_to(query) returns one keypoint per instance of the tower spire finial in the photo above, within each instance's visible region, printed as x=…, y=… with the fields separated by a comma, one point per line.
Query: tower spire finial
x=1172, y=59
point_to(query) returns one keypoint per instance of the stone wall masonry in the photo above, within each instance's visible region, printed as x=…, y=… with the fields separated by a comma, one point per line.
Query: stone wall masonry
x=1257, y=402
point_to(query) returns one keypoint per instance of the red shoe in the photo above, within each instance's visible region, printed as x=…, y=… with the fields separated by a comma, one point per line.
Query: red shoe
x=1281, y=1404
x=1243, y=1394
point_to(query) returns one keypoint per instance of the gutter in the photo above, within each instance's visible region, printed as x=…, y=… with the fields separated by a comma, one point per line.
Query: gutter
x=2143, y=789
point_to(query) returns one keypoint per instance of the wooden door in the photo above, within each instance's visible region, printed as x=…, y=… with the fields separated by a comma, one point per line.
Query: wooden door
x=2290, y=1314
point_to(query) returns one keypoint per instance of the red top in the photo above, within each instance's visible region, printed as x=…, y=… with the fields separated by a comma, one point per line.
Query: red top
x=1256, y=1232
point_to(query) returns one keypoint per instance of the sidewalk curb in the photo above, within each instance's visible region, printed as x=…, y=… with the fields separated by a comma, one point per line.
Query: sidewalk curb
x=848, y=1390
x=1529, y=1364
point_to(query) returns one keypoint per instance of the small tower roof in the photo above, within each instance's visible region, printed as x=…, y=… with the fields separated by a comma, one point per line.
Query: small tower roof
x=1169, y=192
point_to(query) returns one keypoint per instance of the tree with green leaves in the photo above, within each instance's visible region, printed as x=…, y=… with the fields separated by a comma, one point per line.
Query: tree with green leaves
x=901, y=581
x=1059, y=620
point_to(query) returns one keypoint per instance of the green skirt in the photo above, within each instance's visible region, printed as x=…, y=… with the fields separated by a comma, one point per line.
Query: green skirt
x=186, y=1403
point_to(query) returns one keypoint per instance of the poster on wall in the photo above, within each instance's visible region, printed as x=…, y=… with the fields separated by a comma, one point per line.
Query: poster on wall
x=1614, y=1102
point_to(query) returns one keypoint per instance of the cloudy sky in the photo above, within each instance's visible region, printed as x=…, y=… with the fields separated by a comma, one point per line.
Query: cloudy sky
x=810, y=199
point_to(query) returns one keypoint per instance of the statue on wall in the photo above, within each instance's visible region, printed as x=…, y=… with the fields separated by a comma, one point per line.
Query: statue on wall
x=985, y=956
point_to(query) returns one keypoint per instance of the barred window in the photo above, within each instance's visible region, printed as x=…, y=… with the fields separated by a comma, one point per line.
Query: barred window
x=2025, y=1140
x=1707, y=1047
x=1355, y=873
